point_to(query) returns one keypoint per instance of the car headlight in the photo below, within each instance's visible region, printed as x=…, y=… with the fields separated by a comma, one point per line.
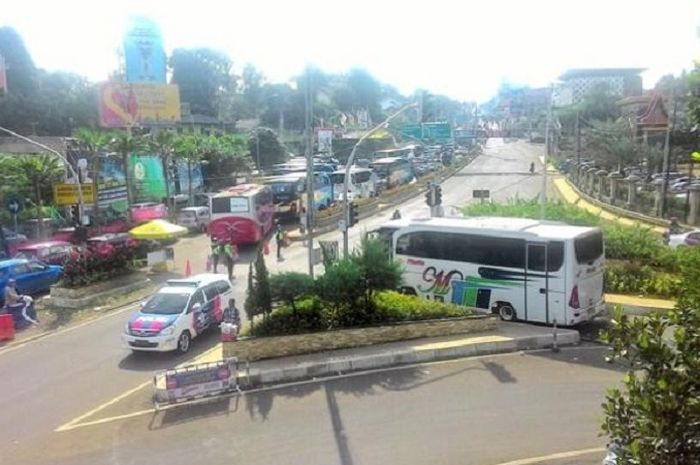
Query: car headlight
x=168, y=331
x=127, y=330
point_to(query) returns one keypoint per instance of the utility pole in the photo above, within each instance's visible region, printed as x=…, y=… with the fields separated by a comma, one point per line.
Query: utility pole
x=578, y=145
x=667, y=155
x=257, y=149
x=309, y=171
x=543, y=196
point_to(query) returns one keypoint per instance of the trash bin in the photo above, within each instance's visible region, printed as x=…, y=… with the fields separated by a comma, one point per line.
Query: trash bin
x=229, y=331
x=7, y=327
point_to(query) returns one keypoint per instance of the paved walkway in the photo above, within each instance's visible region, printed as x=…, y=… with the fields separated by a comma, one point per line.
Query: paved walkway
x=639, y=302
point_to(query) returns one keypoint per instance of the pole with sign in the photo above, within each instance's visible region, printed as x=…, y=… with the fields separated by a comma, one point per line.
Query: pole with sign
x=14, y=206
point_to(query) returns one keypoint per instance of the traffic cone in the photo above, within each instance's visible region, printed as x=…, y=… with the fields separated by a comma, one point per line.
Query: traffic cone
x=188, y=268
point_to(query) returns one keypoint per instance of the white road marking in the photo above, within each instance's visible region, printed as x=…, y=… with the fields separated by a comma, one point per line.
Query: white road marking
x=557, y=456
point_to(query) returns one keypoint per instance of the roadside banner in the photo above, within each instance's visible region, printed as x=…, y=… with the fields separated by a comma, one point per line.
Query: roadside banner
x=124, y=104
x=144, y=54
x=325, y=140
x=193, y=382
x=67, y=194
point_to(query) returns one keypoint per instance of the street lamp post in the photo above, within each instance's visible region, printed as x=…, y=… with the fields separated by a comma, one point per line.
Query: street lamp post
x=348, y=165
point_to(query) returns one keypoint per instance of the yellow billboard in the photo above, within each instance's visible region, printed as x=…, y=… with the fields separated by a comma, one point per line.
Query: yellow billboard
x=67, y=194
x=124, y=104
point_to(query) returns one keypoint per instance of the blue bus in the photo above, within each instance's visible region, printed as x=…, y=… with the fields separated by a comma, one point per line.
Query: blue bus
x=289, y=193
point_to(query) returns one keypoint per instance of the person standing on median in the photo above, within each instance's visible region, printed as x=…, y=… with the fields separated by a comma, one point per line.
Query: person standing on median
x=279, y=238
x=229, y=252
x=214, y=253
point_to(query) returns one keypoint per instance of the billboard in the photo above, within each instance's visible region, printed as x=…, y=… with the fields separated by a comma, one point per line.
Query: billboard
x=149, y=179
x=144, y=55
x=124, y=104
x=325, y=140
x=67, y=194
x=3, y=76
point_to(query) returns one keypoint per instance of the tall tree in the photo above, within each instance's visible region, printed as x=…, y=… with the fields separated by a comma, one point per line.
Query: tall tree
x=162, y=143
x=95, y=143
x=126, y=143
x=265, y=148
x=252, y=81
x=21, y=72
x=203, y=75
x=190, y=147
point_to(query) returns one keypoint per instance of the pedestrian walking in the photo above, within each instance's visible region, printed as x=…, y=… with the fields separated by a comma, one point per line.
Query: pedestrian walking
x=279, y=238
x=214, y=253
x=230, y=254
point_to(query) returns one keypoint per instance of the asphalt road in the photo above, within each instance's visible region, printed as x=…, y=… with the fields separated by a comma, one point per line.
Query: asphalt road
x=488, y=410
x=50, y=381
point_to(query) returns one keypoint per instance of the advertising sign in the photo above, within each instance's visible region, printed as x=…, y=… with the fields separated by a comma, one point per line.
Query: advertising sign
x=149, y=179
x=325, y=140
x=144, y=54
x=124, y=104
x=196, y=381
x=67, y=194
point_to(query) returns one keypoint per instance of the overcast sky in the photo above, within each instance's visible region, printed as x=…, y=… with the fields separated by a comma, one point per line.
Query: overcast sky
x=462, y=48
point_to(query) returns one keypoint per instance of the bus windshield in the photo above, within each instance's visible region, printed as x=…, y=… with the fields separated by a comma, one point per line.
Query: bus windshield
x=282, y=187
x=381, y=170
x=338, y=178
x=230, y=205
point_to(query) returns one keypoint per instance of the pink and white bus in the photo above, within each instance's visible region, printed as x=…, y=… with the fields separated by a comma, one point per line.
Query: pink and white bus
x=241, y=214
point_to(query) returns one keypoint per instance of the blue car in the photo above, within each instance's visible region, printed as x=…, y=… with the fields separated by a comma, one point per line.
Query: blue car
x=32, y=276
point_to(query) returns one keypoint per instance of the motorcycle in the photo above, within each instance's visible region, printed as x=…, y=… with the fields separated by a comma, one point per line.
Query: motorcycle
x=23, y=312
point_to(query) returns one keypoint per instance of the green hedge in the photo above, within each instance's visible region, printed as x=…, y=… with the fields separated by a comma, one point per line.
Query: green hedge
x=635, y=278
x=389, y=307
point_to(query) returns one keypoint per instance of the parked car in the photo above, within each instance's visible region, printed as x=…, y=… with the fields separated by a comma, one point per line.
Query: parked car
x=178, y=313
x=51, y=252
x=13, y=239
x=106, y=243
x=687, y=239
x=32, y=277
x=194, y=218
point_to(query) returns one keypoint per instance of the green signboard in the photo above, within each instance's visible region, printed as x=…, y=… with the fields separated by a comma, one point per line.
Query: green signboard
x=148, y=178
x=428, y=131
x=412, y=131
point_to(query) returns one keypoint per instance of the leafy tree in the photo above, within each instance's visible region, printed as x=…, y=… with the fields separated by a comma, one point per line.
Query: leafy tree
x=39, y=172
x=341, y=286
x=126, y=143
x=252, y=90
x=271, y=150
x=263, y=295
x=655, y=415
x=204, y=76
x=162, y=143
x=250, y=305
x=613, y=144
x=223, y=165
x=21, y=71
x=189, y=147
x=95, y=142
x=693, y=86
x=289, y=286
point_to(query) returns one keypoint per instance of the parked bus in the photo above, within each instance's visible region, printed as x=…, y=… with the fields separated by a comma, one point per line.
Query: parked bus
x=290, y=197
x=241, y=214
x=393, y=171
x=362, y=183
x=519, y=268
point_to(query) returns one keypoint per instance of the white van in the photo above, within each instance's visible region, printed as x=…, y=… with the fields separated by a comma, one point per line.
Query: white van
x=363, y=183
x=194, y=218
x=178, y=313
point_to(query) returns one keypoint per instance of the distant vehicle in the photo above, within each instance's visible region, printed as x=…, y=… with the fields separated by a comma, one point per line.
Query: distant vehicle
x=50, y=253
x=194, y=218
x=687, y=239
x=395, y=171
x=32, y=277
x=242, y=214
x=203, y=199
x=362, y=183
x=147, y=211
x=106, y=243
x=406, y=152
x=519, y=268
x=178, y=313
x=289, y=193
x=12, y=240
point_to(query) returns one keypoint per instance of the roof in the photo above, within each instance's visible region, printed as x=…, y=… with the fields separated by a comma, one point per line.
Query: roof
x=387, y=160
x=12, y=262
x=353, y=169
x=535, y=228
x=241, y=189
x=289, y=177
x=599, y=72
x=39, y=245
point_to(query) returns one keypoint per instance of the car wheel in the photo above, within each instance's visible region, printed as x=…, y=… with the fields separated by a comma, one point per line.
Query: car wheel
x=506, y=312
x=184, y=342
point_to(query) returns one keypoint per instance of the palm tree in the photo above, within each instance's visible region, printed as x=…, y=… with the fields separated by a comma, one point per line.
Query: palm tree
x=189, y=147
x=125, y=144
x=96, y=142
x=35, y=171
x=162, y=143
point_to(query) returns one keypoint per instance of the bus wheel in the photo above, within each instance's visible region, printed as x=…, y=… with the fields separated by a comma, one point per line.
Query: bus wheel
x=506, y=312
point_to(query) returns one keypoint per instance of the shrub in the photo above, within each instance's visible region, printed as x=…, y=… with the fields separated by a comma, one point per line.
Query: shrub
x=519, y=208
x=377, y=268
x=92, y=267
x=394, y=306
x=309, y=317
x=341, y=285
x=288, y=287
x=634, y=278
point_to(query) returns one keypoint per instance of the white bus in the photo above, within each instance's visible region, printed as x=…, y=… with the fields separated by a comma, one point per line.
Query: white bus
x=362, y=183
x=519, y=268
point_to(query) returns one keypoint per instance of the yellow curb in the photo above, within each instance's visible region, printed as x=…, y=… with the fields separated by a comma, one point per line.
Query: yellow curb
x=646, y=302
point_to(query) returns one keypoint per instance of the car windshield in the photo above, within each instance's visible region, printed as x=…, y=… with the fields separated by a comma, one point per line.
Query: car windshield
x=166, y=303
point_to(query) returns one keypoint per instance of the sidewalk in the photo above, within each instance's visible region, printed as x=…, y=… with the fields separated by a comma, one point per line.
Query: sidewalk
x=639, y=305
x=569, y=194
x=508, y=337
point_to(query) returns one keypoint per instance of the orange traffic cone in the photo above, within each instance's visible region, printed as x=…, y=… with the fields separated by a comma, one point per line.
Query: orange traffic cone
x=188, y=268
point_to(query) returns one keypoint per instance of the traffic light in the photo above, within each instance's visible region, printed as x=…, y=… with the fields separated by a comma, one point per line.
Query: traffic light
x=75, y=214
x=438, y=195
x=429, y=197
x=353, y=214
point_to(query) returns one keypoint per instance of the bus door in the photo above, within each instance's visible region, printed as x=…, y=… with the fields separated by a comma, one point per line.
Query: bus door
x=536, y=284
